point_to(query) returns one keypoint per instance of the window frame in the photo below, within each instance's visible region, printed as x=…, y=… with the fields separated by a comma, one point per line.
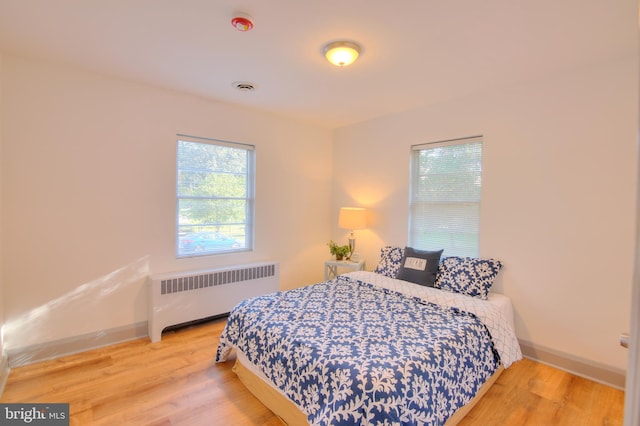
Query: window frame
x=249, y=198
x=455, y=245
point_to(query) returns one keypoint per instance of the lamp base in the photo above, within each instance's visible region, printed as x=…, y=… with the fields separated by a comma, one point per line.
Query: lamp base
x=352, y=246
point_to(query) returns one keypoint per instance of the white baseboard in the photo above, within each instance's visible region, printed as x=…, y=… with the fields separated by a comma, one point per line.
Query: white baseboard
x=71, y=345
x=597, y=372
x=4, y=372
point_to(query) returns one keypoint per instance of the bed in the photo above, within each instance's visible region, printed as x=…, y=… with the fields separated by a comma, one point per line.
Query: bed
x=368, y=348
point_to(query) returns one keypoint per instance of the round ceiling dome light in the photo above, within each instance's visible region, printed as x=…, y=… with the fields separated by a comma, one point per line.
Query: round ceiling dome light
x=242, y=22
x=341, y=53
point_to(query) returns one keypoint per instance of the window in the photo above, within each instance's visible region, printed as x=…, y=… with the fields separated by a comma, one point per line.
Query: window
x=215, y=196
x=446, y=178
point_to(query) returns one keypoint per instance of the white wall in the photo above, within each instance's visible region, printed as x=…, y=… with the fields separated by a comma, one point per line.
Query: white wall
x=88, y=173
x=1, y=236
x=557, y=199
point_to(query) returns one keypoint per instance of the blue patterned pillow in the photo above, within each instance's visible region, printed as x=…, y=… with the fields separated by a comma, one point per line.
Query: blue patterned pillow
x=390, y=260
x=467, y=275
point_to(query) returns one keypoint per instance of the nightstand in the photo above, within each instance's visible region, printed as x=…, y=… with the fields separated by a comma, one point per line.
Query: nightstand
x=331, y=267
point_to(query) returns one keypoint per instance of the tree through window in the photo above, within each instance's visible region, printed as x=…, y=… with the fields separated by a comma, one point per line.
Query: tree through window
x=215, y=196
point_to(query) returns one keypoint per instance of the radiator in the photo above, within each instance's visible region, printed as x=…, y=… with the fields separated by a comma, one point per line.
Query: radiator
x=188, y=296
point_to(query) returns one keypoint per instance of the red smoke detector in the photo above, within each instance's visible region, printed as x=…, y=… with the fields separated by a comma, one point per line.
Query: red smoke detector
x=242, y=23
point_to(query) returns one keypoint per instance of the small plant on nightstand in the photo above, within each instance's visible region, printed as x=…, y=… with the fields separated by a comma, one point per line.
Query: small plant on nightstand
x=340, y=252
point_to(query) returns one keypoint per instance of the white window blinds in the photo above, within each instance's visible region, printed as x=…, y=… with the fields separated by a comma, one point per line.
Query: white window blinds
x=446, y=178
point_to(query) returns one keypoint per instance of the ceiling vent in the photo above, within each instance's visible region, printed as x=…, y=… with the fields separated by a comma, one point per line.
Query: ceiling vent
x=244, y=86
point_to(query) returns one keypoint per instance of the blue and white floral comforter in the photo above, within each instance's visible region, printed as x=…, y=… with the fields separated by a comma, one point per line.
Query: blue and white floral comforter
x=349, y=353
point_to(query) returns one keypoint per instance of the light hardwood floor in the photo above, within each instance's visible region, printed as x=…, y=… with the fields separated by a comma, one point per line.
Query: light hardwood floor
x=176, y=382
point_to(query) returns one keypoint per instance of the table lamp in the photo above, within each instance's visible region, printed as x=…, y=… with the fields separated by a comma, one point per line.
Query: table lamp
x=352, y=218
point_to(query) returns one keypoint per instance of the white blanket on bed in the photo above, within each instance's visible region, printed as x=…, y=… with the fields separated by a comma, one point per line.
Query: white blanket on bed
x=496, y=313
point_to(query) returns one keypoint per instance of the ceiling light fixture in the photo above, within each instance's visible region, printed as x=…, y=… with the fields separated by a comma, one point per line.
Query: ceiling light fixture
x=341, y=53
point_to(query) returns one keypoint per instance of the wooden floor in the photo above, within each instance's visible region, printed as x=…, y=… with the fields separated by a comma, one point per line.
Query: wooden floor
x=176, y=382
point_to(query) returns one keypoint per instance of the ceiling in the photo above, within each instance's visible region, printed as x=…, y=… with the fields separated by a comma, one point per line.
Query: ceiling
x=414, y=52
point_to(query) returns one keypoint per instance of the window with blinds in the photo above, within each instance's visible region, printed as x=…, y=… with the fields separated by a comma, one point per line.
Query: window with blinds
x=215, y=196
x=446, y=178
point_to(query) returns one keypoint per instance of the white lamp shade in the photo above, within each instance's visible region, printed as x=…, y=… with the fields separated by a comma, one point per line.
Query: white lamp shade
x=352, y=218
